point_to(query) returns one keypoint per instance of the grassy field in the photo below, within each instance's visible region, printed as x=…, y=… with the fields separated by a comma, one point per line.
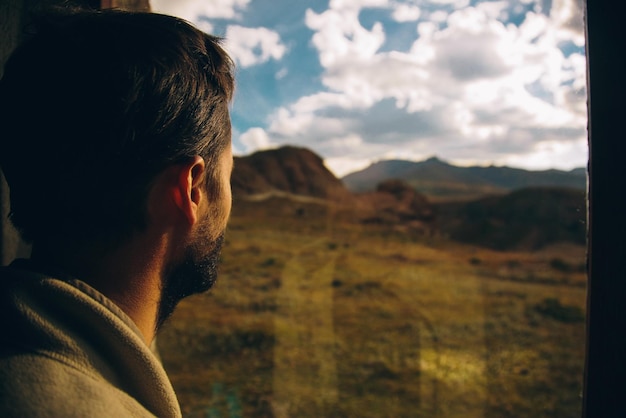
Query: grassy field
x=315, y=316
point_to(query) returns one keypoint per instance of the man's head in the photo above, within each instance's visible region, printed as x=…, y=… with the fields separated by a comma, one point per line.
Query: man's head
x=96, y=108
x=94, y=105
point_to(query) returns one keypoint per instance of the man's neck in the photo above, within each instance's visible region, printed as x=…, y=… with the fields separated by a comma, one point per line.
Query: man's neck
x=130, y=276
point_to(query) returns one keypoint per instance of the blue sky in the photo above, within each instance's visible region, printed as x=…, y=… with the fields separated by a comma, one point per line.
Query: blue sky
x=474, y=82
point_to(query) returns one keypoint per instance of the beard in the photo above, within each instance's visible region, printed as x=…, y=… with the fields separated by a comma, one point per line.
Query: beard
x=196, y=273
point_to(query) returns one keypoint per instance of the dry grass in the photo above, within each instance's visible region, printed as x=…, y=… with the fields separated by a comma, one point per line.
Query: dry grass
x=316, y=317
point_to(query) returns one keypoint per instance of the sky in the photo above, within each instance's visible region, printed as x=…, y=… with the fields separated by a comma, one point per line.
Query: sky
x=473, y=82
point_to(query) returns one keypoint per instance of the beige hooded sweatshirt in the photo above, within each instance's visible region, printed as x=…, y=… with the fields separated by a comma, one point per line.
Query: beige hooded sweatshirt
x=68, y=351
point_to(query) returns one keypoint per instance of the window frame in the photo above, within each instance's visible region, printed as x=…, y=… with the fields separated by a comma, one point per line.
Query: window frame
x=605, y=367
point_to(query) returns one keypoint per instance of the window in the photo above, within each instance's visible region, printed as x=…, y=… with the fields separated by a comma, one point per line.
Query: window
x=331, y=310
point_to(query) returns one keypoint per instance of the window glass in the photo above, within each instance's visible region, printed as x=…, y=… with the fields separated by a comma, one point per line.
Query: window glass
x=408, y=228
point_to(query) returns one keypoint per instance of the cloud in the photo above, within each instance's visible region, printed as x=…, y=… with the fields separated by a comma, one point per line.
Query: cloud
x=205, y=26
x=339, y=36
x=470, y=81
x=192, y=9
x=550, y=154
x=438, y=16
x=476, y=84
x=356, y=4
x=254, y=139
x=403, y=12
x=471, y=48
x=457, y=4
x=342, y=166
x=247, y=46
x=568, y=18
x=252, y=46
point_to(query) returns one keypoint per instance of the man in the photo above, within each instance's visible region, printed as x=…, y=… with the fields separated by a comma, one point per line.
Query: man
x=115, y=142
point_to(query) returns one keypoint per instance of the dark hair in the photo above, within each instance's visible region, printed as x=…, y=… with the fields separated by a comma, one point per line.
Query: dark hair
x=94, y=105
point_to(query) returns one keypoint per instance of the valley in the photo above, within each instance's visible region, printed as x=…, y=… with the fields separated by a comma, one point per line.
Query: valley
x=316, y=314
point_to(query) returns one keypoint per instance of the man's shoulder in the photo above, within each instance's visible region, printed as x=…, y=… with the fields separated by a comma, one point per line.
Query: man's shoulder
x=37, y=385
x=66, y=351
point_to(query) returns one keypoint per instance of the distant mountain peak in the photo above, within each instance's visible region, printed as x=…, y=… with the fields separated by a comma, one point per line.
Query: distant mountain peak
x=387, y=162
x=435, y=177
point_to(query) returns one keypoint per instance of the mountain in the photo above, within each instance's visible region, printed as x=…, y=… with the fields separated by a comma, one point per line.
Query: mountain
x=435, y=177
x=292, y=170
x=580, y=171
x=525, y=219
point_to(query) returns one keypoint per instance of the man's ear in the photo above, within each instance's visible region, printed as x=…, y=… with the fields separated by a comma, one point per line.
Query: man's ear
x=190, y=188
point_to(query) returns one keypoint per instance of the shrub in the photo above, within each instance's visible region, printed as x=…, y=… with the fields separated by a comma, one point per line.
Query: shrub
x=560, y=265
x=268, y=262
x=552, y=308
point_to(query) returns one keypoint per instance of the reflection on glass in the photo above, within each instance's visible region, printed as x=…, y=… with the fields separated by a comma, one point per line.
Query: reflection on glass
x=448, y=286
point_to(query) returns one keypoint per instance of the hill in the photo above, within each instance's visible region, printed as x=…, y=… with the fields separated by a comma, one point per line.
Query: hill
x=397, y=205
x=437, y=178
x=525, y=219
x=293, y=170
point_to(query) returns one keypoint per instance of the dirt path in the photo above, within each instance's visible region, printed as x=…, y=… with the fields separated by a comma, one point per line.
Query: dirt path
x=305, y=371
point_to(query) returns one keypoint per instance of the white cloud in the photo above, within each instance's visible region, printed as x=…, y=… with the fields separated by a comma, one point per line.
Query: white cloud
x=342, y=166
x=290, y=124
x=457, y=4
x=470, y=83
x=551, y=154
x=471, y=48
x=205, y=26
x=494, y=9
x=403, y=12
x=193, y=9
x=357, y=4
x=475, y=85
x=254, y=139
x=321, y=100
x=340, y=38
x=438, y=16
x=568, y=18
x=252, y=46
x=344, y=144
x=299, y=127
